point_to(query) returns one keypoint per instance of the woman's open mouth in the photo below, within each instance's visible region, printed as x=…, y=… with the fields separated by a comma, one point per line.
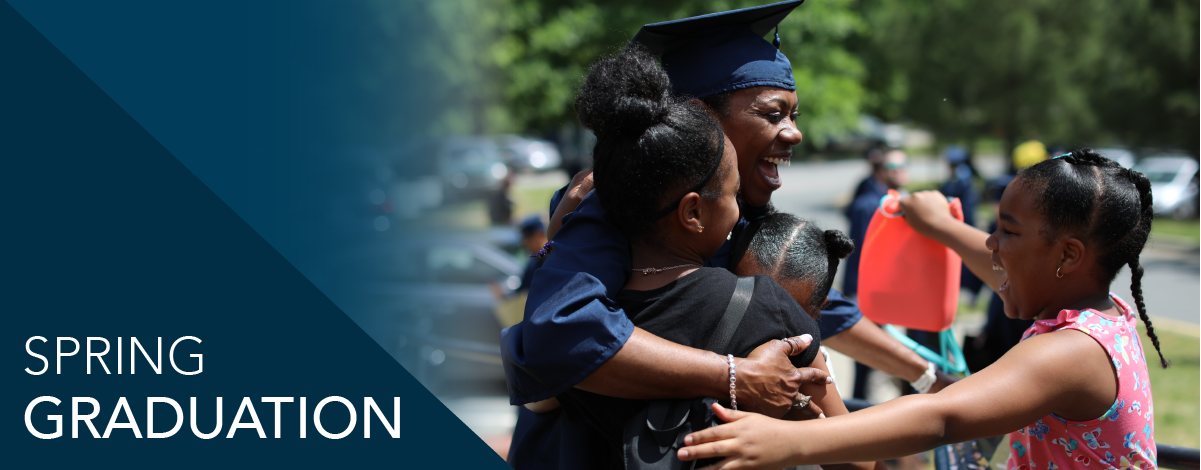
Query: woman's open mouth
x=769, y=168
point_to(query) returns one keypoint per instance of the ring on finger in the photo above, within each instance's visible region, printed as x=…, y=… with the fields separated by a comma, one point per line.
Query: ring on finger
x=802, y=401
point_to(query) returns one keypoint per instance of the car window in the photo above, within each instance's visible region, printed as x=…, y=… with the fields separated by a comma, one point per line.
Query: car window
x=458, y=265
x=472, y=160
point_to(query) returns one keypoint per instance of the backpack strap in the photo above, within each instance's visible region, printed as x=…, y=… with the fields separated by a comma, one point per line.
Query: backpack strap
x=733, y=316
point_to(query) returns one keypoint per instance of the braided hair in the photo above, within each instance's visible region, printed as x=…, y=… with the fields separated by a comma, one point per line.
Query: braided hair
x=791, y=248
x=652, y=147
x=1094, y=198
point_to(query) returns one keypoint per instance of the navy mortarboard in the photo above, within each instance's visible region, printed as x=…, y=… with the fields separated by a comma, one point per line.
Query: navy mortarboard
x=719, y=52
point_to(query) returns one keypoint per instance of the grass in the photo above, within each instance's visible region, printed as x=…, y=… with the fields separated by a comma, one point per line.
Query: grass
x=1175, y=389
x=529, y=200
x=1180, y=229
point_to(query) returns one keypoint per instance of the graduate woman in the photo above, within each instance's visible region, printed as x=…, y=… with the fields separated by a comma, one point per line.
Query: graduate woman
x=574, y=335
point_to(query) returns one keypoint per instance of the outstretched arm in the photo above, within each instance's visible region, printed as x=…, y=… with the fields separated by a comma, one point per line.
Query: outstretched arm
x=927, y=213
x=1027, y=384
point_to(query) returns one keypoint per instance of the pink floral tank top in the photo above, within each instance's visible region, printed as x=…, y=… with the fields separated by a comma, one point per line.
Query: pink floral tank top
x=1123, y=437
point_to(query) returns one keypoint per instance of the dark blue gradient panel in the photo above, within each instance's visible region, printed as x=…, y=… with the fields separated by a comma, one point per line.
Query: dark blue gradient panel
x=290, y=112
x=109, y=236
x=279, y=107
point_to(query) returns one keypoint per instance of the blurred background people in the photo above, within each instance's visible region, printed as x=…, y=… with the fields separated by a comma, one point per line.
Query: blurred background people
x=890, y=173
x=961, y=184
x=533, y=238
x=500, y=204
x=510, y=306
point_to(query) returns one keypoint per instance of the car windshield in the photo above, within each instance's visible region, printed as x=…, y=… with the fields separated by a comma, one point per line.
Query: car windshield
x=472, y=158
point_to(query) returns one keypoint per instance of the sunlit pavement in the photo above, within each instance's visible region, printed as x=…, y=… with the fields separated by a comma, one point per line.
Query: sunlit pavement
x=490, y=417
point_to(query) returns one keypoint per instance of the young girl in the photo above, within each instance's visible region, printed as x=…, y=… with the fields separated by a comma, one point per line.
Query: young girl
x=1073, y=394
x=794, y=252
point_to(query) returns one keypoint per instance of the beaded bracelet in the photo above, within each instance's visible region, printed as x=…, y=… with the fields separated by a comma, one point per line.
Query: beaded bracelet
x=733, y=398
x=546, y=249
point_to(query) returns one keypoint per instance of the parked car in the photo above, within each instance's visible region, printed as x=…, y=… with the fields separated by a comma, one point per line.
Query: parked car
x=1122, y=156
x=1173, y=184
x=431, y=304
x=524, y=153
x=470, y=167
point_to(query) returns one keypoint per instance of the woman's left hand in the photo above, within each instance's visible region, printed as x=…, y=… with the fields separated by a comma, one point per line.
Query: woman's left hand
x=747, y=441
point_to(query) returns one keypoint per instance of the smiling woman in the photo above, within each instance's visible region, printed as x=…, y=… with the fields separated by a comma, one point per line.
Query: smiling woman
x=761, y=122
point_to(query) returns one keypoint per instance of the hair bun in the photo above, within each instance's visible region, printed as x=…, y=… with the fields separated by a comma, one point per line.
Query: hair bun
x=625, y=94
x=838, y=244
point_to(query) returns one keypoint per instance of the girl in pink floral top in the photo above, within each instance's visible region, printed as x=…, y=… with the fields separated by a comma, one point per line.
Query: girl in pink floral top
x=1072, y=394
x=1123, y=437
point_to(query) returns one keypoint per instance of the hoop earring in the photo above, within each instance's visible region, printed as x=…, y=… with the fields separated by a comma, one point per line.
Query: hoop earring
x=1057, y=272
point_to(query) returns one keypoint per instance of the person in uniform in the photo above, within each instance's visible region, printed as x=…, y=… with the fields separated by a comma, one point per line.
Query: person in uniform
x=533, y=238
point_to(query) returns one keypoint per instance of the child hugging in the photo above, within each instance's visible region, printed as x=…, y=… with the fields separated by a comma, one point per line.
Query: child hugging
x=1074, y=393
x=794, y=252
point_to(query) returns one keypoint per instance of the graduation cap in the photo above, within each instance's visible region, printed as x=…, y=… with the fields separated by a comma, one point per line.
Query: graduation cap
x=719, y=52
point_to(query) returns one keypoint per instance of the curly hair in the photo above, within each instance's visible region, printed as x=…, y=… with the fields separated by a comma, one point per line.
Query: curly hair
x=652, y=147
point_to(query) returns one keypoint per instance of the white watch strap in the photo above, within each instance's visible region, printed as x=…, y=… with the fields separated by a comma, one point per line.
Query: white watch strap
x=923, y=383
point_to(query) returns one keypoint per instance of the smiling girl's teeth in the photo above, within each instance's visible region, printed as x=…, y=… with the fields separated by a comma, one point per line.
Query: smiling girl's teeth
x=779, y=161
x=997, y=268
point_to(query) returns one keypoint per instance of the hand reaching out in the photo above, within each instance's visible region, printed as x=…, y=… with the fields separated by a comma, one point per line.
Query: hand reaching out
x=747, y=441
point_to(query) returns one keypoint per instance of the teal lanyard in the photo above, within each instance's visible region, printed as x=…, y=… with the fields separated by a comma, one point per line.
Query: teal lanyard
x=950, y=361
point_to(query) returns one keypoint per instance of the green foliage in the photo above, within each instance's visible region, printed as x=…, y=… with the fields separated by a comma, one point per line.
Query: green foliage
x=545, y=46
x=1066, y=71
x=1070, y=72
